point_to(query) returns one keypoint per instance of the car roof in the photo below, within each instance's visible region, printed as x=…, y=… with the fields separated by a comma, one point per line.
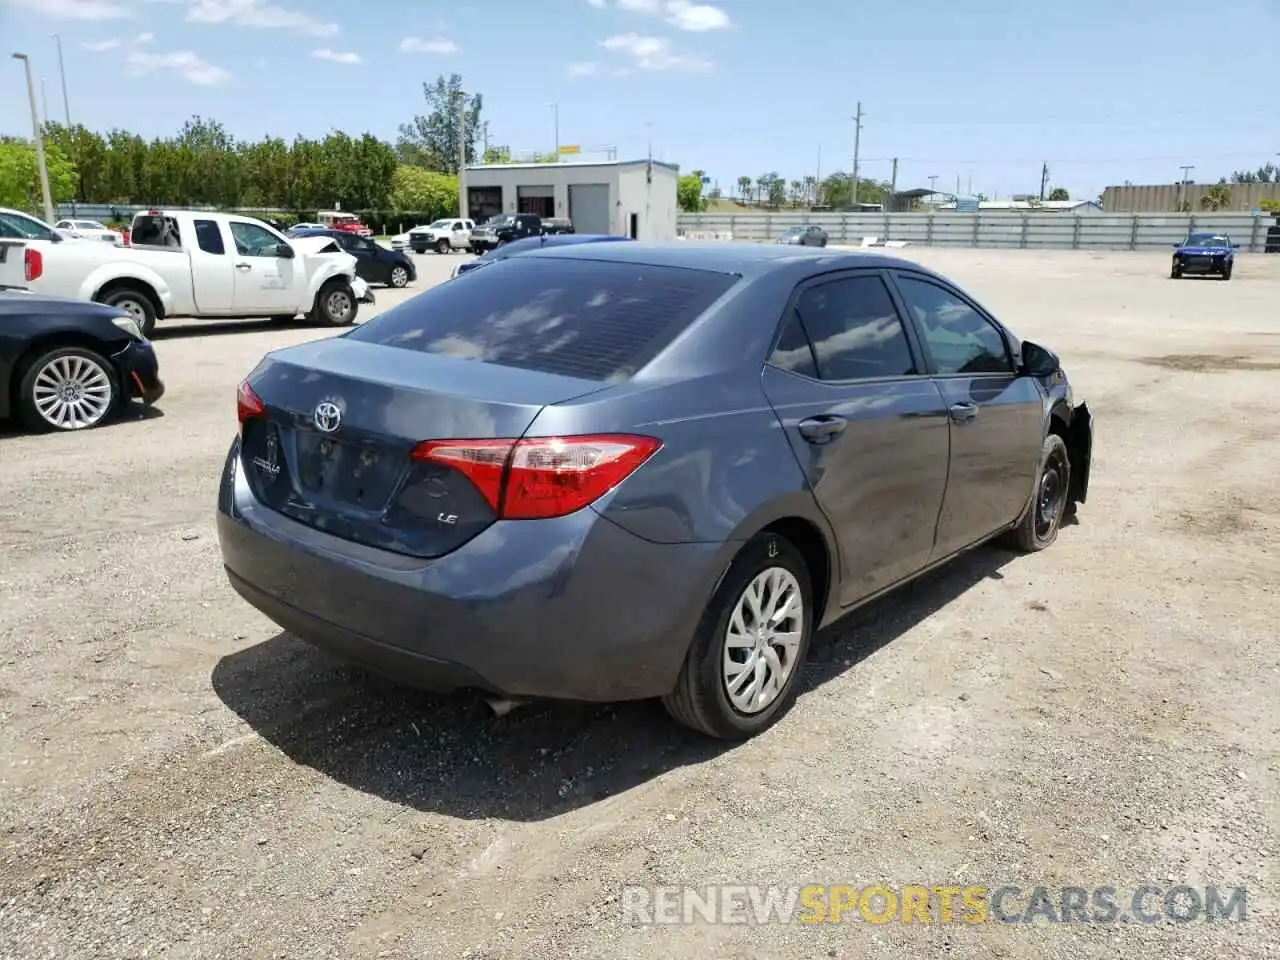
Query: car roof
x=725, y=257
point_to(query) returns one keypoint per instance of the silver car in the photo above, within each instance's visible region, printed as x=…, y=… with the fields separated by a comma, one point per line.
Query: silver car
x=805, y=235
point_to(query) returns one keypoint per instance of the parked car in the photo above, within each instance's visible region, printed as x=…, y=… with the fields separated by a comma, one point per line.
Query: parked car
x=1204, y=254
x=185, y=263
x=805, y=235
x=71, y=365
x=504, y=228
x=556, y=225
x=530, y=243
x=308, y=226
x=443, y=236
x=16, y=225
x=561, y=484
x=88, y=230
x=374, y=262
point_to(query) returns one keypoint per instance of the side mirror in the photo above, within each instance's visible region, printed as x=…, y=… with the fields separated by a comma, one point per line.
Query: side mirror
x=1176, y=246
x=284, y=251
x=1038, y=361
x=1235, y=246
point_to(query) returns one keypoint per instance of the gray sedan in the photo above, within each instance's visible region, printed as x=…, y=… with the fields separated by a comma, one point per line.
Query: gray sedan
x=806, y=235
x=615, y=471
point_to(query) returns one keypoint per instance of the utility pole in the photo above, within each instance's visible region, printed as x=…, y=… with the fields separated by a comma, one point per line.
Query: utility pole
x=484, y=132
x=1182, y=184
x=462, y=162
x=817, y=179
x=893, y=186
x=857, y=143
x=933, y=193
x=44, y=102
x=1044, y=179
x=66, y=112
x=555, y=127
x=39, y=139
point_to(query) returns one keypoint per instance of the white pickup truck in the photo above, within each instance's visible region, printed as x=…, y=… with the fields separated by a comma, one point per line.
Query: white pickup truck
x=185, y=263
x=443, y=236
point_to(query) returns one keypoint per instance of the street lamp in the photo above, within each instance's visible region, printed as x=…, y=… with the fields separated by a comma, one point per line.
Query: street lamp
x=933, y=179
x=555, y=126
x=35, y=132
x=71, y=135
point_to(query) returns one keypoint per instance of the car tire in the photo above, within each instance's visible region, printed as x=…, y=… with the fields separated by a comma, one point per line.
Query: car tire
x=399, y=277
x=335, y=305
x=1226, y=273
x=442, y=247
x=135, y=302
x=701, y=699
x=39, y=406
x=1039, y=526
x=1175, y=274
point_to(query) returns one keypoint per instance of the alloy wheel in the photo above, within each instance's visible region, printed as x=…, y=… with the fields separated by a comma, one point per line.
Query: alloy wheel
x=762, y=643
x=72, y=392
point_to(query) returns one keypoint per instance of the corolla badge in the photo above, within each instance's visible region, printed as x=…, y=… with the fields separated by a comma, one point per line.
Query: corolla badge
x=270, y=464
x=328, y=417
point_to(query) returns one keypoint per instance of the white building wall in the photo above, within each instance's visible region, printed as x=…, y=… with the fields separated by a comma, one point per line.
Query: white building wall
x=654, y=201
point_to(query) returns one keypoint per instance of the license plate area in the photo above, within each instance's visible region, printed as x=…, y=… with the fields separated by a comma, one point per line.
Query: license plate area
x=358, y=474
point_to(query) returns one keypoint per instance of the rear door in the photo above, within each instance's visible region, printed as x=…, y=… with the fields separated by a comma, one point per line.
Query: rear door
x=867, y=425
x=997, y=416
x=266, y=284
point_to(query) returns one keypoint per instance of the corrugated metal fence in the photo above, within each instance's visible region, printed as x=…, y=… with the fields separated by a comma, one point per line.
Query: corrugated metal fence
x=1094, y=231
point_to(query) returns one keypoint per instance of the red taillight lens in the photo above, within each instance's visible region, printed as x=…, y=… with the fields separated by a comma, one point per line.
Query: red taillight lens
x=248, y=404
x=542, y=477
x=33, y=264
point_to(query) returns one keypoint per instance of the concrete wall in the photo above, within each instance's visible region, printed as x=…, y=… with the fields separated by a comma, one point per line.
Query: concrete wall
x=1163, y=198
x=1093, y=231
x=655, y=202
x=558, y=176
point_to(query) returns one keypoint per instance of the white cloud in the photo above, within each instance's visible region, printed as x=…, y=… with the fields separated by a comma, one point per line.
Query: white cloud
x=640, y=6
x=259, y=15
x=583, y=69
x=598, y=4
x=696, y=17
x=439, y=45
x=653, y=53
x=75, y=9
x=334, y=56
x=182, y=62
x=101, y=46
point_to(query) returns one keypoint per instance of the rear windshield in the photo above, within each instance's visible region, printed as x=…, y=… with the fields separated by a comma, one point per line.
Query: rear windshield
x=575, y=318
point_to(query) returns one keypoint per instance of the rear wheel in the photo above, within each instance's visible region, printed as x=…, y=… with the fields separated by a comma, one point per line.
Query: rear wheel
x=136, y=303
x=335, y=305
x=741, y=670
x=70, y=388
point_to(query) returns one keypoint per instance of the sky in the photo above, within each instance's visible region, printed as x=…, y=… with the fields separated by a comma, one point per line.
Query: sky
x=978, y=93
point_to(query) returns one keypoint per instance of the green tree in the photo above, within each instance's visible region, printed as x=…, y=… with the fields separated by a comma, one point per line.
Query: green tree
x=689, y=194
x=20, y=174
x=424, y=191
x=1059, y=193
x=744, y=187
x=431, y=140
x=1216, y=197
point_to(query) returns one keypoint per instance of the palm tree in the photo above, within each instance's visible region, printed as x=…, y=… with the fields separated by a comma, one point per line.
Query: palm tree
x=797, y=191
x=762, y=186
x=744, y=187
x=1216, y=197
x=810, y=189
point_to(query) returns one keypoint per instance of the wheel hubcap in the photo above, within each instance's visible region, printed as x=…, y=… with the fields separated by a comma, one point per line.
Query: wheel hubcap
x=134, y=309
x=398, y=277
x=72, y=393
x=339, y=304
x=763, y=640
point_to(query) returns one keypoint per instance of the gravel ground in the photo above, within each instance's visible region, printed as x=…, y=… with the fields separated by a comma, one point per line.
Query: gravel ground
x=180, y=779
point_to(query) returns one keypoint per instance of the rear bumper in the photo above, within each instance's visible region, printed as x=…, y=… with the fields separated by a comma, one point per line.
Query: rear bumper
x=139, y=372
x=574, y=608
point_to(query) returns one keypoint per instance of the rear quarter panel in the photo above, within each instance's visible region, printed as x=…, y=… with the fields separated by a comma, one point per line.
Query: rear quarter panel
x=80, y=270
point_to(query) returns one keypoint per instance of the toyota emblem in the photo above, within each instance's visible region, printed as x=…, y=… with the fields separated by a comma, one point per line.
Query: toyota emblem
x=327, y=416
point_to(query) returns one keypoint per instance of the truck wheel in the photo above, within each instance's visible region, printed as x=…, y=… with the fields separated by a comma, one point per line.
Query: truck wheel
x=68, y=388
x=442, y=246
x=335, y=305
x=135, y=302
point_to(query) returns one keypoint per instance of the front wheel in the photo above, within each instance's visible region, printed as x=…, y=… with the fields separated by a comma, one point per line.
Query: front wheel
x=1175, y=273
x=1226, y=273
x=399, y=277
x=1039, y=525
x=741, y=670
x=335, y=305
x=442, y=246
x=69, y=388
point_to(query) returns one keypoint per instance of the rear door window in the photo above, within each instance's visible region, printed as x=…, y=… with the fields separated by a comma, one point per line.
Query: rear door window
x=576, y=318
x=209, y=237
x=854, y=330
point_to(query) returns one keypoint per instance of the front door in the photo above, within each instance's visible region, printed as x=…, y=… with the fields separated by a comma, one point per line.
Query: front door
x=867, y=425
x=369, y=266
x=997, y=416
x=266, y=284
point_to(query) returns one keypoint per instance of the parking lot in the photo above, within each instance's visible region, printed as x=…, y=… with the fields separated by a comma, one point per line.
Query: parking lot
x=180, y=779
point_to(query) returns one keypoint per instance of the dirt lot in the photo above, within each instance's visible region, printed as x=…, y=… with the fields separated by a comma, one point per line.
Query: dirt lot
x=181, y=780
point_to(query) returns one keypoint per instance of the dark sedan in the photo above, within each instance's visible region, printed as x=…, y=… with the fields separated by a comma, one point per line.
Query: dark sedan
x=374, y=262
x=632, y=470
x=516, y=247
x=70, y=364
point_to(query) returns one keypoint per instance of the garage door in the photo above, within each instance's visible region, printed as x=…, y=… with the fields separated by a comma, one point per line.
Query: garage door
x=589, y=207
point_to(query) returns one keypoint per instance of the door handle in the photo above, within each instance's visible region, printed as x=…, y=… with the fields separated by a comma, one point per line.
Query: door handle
x=964, y=412
x=244, y=266
x=821, y=429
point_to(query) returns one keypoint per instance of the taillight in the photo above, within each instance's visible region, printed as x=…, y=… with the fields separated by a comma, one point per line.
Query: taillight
x=248, y=404
x=33, y=264
x=542, y=477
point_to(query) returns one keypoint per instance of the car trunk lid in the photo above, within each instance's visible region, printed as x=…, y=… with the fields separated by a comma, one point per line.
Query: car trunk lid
x=331, y=446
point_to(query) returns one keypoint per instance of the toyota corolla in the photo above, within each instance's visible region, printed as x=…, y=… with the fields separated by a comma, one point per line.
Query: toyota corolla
x=622, y=470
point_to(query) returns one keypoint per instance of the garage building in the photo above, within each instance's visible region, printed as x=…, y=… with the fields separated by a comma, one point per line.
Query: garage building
x=635, y=198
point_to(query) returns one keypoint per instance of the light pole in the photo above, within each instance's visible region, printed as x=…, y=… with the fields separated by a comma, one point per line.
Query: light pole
x=555, y=127
x=933, y=179
x=66, y=109
x=1186, y=169
x=35, y=132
